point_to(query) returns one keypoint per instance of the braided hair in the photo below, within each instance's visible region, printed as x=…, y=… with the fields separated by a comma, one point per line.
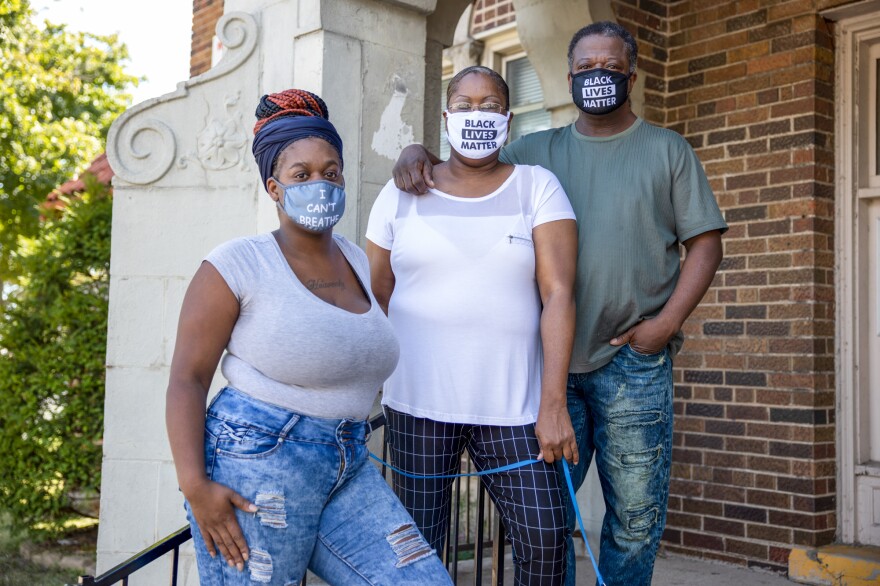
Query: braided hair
x=290, y=102
x=286, y=117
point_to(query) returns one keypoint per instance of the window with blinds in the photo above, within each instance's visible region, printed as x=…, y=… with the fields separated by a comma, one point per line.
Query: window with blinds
x=526, y=98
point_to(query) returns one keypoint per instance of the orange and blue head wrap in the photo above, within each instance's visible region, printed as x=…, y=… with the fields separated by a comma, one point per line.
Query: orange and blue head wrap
x=286, y=117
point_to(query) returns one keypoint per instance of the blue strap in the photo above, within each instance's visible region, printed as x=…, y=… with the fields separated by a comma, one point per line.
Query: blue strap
x=430, y=477
x=519, y=464
x=577, y=513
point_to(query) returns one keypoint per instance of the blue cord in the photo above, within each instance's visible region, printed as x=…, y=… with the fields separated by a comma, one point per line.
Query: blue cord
x=577, y=513
x=520, y=464
x=430, y=477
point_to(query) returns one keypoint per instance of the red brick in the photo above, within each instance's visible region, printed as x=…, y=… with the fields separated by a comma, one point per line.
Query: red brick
x=779, y=555
x=741, y=478
x=768, y=533
x=774, y=396
x=753, y=446
x=702, y=541
x=674, y=519
x=771, y=294
x=725, y=493
x=769, y=228
x=770, y=161
x=747, y=548
x=775, y=465
x=748, y=52
x=769, y=63
x=703, y=507
x=769, y=430
x=769, y=499
x=684, y=488
x=725, y=74
x=770, y=261
x=744, y=412
x=794, y=520
x=724, y=526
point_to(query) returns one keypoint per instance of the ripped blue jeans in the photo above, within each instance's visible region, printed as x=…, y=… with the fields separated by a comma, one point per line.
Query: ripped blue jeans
x=322, y=505
x=623, y=413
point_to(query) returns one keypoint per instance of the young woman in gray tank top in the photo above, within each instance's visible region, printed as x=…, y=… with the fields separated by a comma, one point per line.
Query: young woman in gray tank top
x=275, y=476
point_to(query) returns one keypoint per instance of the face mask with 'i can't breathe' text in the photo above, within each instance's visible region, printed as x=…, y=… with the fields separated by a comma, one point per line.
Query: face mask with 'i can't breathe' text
x=315, y=205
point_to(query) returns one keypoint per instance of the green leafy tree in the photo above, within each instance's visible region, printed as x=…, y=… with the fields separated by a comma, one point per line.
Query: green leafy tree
x=54, y=337
x=59, y=93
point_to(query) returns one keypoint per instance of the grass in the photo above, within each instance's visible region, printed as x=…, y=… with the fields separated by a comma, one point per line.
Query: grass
x=28, y=563
x=17, y=571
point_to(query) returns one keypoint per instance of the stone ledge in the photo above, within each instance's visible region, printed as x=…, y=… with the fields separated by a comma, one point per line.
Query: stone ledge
x=840, y=565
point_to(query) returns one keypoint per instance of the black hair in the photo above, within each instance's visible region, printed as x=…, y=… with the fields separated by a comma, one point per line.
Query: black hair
x=490, y=73
x=606, y=28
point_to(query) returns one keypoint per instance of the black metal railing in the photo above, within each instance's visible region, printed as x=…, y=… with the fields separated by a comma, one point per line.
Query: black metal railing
x=476, y=529
x=120, y=574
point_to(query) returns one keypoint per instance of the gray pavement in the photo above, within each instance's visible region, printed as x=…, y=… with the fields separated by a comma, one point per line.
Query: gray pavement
x=669, y=570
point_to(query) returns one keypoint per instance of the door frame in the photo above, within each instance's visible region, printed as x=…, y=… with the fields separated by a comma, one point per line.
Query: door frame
x=857, y=26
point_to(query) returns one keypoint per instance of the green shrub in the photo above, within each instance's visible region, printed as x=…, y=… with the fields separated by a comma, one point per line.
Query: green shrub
x=53, y=337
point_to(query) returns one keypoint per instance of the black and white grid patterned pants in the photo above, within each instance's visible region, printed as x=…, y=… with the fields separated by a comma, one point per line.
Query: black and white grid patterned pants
x=529, y=498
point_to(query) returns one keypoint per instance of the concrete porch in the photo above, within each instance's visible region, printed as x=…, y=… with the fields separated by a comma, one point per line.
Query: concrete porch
x=670, y=570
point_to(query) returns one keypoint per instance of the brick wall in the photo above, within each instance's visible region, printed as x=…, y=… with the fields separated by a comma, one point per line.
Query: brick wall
x=489, y=14
x=206, y=13
x=750, y=85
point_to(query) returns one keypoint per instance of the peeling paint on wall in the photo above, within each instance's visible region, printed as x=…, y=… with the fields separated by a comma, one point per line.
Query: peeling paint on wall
x=393, y=133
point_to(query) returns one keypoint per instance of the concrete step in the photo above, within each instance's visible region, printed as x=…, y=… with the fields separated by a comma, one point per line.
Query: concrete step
x=838, y=565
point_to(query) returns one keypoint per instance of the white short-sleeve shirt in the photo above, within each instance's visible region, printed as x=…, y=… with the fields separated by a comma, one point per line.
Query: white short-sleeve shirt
x=465, y=305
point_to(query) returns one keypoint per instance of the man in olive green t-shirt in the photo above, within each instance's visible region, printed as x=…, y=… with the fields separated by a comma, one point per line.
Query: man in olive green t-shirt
x=638, y=191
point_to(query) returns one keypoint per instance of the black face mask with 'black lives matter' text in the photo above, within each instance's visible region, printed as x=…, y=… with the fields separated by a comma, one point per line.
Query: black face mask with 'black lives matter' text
x=599, y=91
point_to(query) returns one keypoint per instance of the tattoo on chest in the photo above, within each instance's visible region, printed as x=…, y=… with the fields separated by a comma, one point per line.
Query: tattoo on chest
x=313, y=284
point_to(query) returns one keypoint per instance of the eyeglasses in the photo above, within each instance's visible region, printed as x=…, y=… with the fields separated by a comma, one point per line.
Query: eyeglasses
x=487, y=108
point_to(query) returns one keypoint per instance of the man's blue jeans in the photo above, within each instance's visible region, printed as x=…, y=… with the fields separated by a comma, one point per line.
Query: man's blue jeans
x=322, y=505
x=623, y=413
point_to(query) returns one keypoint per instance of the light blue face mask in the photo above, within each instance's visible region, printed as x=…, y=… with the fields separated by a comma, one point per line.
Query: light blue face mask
x=315, y=205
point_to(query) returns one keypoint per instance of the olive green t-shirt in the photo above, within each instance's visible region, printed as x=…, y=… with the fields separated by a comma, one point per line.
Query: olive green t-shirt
x=636, y=195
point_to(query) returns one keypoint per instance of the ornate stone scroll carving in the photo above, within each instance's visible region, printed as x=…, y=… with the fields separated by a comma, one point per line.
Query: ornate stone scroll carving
x=238, y=33
x=141, y=150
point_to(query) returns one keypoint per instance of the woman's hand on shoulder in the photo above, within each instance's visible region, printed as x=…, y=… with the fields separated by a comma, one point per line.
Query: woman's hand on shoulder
x=213, y=506
x=414, y=170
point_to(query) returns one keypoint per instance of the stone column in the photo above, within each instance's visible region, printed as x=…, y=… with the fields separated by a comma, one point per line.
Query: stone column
x=442, y=33
x=186, y=181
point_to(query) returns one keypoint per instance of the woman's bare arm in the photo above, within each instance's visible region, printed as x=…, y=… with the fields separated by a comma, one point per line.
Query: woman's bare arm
x=555, y=267
x=381, y=275
x=208, y=314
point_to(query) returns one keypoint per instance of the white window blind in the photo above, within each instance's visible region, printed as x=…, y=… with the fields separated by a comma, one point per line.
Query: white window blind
x=526, y=98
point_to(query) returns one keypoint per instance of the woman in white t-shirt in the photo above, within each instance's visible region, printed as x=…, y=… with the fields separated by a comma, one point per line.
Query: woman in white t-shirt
x=477, y=278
